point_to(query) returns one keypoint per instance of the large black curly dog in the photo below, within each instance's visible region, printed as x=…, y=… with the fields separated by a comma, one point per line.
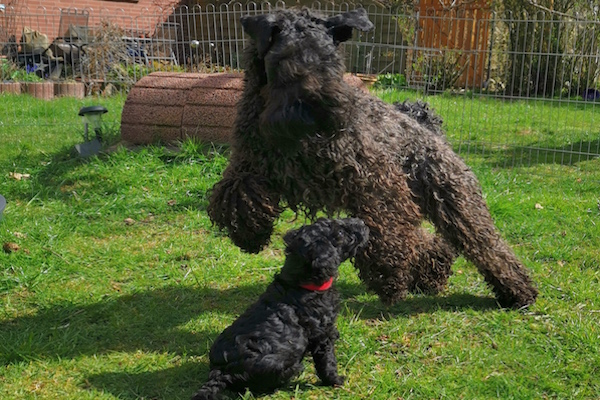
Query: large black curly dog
x=263, y=349
x=307, y=139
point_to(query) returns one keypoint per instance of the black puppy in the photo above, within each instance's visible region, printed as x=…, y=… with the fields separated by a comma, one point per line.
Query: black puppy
x=263, y=349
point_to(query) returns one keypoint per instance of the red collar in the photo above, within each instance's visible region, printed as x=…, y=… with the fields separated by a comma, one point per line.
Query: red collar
x=315, y=288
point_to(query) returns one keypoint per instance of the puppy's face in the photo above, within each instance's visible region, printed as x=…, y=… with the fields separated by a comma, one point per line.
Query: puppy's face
x=314, y=252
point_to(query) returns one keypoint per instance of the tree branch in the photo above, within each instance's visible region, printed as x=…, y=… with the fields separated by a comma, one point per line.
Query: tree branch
x=546, y=9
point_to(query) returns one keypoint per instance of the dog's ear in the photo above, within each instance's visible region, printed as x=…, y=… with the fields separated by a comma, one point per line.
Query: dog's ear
x=340, y=26
x=260, y=28
x=290, y=237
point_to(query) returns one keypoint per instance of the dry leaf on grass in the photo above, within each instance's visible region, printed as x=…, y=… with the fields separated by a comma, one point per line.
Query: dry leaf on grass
x=10, y=247
x=18, y=176
x=148, y=219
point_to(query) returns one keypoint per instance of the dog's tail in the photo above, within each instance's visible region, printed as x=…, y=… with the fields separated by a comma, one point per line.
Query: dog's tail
x=217, y=381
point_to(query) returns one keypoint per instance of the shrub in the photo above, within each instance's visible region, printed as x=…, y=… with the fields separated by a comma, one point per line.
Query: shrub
x=395, y=81
x=9, y=71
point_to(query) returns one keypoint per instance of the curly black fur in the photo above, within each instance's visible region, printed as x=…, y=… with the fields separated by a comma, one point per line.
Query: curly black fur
x=263, y=349
x=420, y=112
x=241, y=204
x=310, y=141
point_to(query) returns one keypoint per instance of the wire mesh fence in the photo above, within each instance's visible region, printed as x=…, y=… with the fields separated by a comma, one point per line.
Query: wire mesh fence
x=517, y=87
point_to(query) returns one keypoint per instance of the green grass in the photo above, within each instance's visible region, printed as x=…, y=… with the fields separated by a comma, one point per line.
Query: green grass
x=516, y=133
x=29, y=126
x=120, y=282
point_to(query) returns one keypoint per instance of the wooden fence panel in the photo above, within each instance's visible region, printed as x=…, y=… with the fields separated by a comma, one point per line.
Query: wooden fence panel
x=454, y=41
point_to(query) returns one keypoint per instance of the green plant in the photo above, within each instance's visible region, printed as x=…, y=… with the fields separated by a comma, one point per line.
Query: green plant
x=440, y=70
x=391, y=81
x=24, y=76
x=9, y=71
x=166, y=67
x=563, y=60
x=126, y=75
x=7, y=68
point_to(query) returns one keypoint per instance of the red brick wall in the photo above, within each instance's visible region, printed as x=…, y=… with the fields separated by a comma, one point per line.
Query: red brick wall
x=128, y=6
x=44, y=15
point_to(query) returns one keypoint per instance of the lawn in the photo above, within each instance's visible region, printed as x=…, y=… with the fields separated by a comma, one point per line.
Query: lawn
x=116, y=282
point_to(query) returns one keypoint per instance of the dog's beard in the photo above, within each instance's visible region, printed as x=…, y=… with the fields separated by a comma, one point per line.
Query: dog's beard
x=286, y=125
x=288, y=120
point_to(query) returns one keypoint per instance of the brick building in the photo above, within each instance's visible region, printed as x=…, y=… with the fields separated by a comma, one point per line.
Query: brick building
x=44, y=15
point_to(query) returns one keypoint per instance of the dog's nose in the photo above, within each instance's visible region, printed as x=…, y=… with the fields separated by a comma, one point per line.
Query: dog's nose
x=363, y=234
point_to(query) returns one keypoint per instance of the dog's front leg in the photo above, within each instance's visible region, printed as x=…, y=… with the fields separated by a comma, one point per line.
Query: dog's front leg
x=326, y=363
x=242, y=204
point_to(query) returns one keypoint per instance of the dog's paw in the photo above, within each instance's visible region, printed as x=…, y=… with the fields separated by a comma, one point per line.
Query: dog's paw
x=335, y=381
x=523, y=299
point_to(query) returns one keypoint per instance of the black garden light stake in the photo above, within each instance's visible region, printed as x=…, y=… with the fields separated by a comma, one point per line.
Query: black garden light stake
x=92, y=119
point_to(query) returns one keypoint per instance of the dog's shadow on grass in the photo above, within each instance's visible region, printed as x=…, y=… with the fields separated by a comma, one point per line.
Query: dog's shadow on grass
x=372, y=308
x=183, y=380
x=171, y=383
x=176, y=321
x=150, y=320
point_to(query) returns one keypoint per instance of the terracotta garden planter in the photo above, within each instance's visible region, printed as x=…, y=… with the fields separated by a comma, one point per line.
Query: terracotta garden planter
x=10, y=87
x=40, y=90
x=69, y=89
x=169, y=107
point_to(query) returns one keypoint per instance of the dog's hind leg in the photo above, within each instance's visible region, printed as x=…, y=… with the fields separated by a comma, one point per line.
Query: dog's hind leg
x=217, y=381
x=267, y=374
x=401, y=256
x=432, y=266
x=454, y=203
